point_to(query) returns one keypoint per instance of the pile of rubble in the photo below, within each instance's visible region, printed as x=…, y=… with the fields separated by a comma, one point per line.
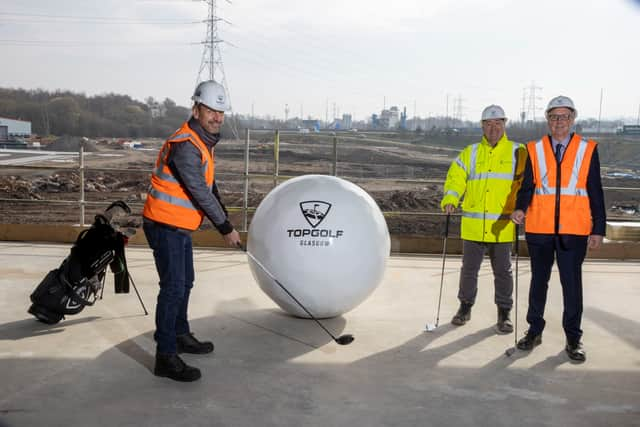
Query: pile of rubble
x=409, y=200
x=71, y=144
x=16, y=187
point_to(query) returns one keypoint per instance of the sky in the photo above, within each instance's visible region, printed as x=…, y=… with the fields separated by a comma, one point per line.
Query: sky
x=324, y=58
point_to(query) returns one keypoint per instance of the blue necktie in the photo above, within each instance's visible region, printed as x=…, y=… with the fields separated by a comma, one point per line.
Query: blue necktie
x=558, y=152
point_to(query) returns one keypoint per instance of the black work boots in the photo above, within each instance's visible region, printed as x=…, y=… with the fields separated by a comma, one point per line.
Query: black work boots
x=575, y=351
x=172, y=366
x=529, y=341
x=463, y=315
x=187, y=343
x=504, y=325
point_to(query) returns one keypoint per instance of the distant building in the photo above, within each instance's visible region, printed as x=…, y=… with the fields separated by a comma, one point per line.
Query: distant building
x=346, y=121
x=11, y=128
x=630, y=130
x=156, y=109
x=375, y=121
x=313, y=125
x=389, y=118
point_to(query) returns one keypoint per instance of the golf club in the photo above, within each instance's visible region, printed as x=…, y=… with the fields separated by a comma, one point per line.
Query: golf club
x=342, y=339
x=512, y=350
x=430, y=327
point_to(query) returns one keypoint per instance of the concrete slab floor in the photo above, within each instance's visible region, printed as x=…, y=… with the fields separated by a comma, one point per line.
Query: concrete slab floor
x=269, y=369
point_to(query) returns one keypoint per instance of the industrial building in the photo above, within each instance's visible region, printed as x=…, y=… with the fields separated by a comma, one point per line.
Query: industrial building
x=11, y=128
x=629, y=130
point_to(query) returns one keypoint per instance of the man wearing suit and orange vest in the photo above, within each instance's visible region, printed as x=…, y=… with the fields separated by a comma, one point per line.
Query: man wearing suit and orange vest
x=564, y=203
x=183, y=191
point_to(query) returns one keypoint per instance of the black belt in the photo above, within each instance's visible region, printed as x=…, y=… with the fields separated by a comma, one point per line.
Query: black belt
x=166, y=226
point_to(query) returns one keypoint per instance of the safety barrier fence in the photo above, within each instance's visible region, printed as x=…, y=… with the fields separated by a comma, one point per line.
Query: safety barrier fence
x=246, y=178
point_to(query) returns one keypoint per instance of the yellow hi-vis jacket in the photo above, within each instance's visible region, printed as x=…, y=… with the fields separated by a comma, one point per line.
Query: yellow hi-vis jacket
x=487, y=180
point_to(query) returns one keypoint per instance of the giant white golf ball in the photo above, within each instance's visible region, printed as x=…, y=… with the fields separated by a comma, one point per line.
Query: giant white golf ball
x=324, y=239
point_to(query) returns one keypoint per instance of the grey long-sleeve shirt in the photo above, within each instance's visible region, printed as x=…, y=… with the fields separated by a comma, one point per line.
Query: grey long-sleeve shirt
x=184, y=161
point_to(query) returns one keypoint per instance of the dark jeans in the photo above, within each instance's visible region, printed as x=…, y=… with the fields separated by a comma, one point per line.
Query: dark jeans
x=173, y=254
x=570, y=251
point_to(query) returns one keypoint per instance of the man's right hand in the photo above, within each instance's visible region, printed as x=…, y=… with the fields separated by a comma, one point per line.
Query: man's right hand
x=449, y=209
x=233, y=239
x=517, y=216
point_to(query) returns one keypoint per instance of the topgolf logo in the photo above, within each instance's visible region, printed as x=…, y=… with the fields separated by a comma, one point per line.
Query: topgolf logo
x=315, y=211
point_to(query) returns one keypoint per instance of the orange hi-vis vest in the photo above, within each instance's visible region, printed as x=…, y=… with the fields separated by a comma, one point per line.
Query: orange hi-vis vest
x=167, y=201
x=560, y=203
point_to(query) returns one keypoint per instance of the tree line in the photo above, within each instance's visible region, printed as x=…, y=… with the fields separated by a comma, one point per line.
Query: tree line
x=107, y=115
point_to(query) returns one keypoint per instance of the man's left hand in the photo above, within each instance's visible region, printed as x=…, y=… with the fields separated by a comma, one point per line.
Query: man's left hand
x=595, y=241
x=233, y=239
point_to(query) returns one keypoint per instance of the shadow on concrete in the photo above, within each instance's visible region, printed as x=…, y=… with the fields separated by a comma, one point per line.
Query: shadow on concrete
x=271, y=369
x=30, y=327
x=622, y=327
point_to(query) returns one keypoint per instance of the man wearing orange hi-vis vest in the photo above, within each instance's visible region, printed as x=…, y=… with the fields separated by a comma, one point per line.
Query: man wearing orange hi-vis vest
x=565, y=214
x=183, y=192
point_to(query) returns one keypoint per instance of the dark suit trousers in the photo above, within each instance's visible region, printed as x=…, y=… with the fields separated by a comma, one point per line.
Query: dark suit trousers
x=569, y=250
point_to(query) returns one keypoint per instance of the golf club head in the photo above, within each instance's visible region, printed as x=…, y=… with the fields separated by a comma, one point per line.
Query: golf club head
x=510, y=351
x=430, y=327
x=345, y=339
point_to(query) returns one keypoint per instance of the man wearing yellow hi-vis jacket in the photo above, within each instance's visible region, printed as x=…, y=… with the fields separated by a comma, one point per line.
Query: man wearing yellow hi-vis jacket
x=486, y=176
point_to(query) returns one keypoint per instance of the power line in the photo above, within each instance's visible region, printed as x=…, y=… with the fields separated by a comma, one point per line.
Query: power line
x=212, y=57
x=532, y=108
x=84, y=43
x=42, y=18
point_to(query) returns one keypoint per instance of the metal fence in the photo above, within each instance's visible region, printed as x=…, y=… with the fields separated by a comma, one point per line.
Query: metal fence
x=246, y=178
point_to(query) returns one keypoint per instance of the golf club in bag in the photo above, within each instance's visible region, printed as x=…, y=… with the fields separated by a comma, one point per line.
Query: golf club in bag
x=431, y=327
x=510, y=351
x=80, y=278
x=342, y=339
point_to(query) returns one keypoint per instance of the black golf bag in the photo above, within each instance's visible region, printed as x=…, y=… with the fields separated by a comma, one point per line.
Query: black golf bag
x=79, y=281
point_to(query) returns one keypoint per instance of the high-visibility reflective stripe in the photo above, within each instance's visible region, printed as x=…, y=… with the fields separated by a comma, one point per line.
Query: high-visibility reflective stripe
x=570, y=190
x=461, y=164
x=577, y=164
x=472, y=161
x=452, y=193
x=492, y=175
x=564, y=191
x=180, y=137
x=165, y=176
x=159, y=171
x=171, y=199
x=485, y=215
x=542, y=164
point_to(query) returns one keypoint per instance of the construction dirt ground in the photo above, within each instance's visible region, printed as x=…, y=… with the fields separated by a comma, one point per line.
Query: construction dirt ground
x=403, y=175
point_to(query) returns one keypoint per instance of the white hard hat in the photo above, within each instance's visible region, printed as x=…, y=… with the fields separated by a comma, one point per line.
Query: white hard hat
x=560, y=102
x=211, y=94
x=493, y=112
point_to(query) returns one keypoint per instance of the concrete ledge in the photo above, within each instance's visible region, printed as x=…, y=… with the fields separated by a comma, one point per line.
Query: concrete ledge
x=69, y=233
x=400, y=243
